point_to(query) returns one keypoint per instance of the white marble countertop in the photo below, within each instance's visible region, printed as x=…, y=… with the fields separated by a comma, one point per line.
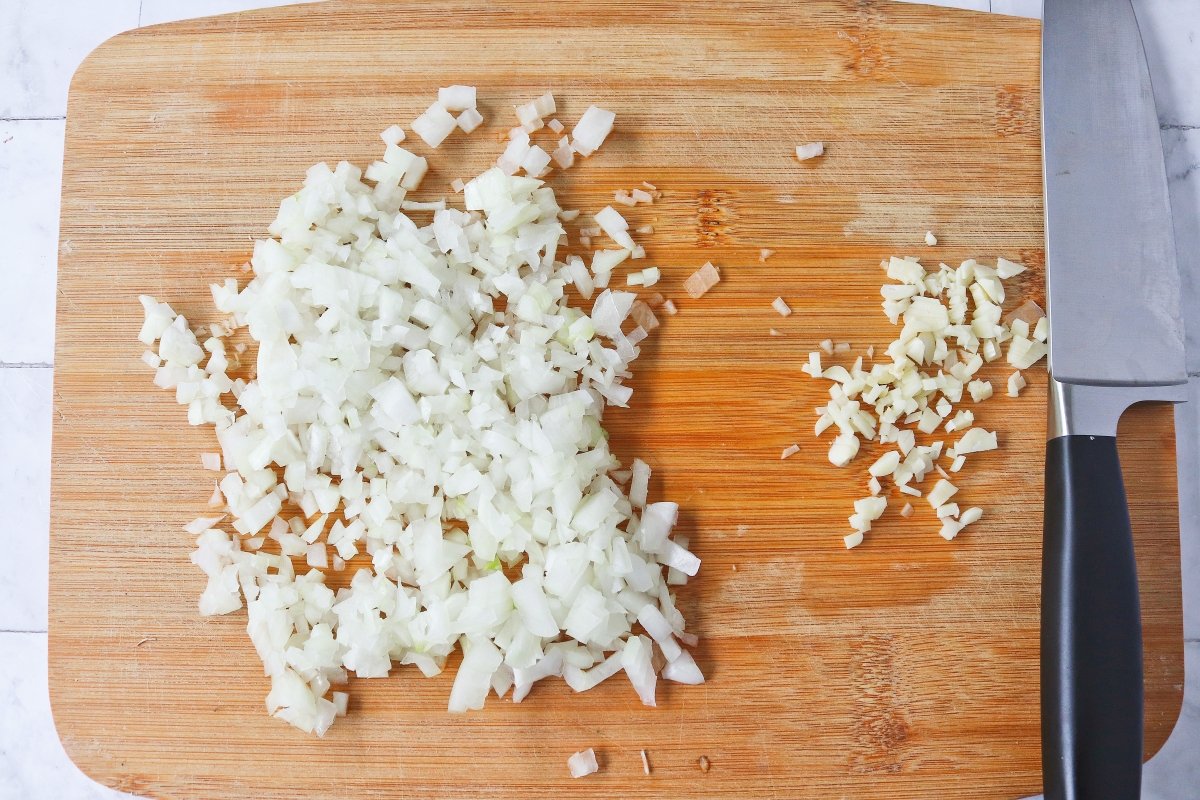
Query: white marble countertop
x=41, y=43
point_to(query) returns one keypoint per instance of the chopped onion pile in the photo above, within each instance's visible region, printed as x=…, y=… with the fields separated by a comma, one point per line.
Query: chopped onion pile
x=951, y=327
x=427, y=411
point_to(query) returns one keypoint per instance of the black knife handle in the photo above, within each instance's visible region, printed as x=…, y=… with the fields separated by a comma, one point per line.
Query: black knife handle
x=1091, y=627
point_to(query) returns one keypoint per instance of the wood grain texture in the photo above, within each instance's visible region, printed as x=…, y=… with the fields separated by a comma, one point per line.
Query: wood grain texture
x=905, y=669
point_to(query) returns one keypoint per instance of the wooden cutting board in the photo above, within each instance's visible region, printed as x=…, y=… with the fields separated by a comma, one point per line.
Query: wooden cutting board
x=907, y=668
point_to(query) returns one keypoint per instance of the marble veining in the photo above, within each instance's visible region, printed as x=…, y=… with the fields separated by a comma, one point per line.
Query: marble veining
x=30, y=173
x=41, y=43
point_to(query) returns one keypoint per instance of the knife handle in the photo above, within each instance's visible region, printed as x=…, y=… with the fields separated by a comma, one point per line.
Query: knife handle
x=1091, y=627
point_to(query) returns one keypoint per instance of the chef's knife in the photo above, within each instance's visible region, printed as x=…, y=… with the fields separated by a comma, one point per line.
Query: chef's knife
x=1116, y=339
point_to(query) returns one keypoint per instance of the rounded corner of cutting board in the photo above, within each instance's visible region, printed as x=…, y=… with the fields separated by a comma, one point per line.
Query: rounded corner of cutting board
x=90, y=761
x=101, y=57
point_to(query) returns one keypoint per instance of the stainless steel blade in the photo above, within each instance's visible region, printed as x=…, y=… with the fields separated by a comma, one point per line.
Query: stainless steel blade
x=1112, y=282
x=1181, y=156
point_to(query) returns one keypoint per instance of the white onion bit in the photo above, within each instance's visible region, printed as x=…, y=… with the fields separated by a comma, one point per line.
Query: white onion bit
x=583, y=763
x=700, y=281
x=806, y=151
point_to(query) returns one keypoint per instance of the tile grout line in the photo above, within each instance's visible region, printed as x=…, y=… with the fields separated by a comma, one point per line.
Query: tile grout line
x=141, y=2
x=1172, y=126
x=26, y=365
x=33, y=119
x=7, y=630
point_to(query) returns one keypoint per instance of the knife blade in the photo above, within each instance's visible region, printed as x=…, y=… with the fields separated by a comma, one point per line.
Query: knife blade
x=1113, y=285
x=1116, y=338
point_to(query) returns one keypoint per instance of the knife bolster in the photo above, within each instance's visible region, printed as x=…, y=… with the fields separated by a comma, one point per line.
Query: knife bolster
x=1081, y=409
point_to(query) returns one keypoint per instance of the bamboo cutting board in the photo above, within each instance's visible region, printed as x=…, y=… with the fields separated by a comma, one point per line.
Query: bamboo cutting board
x=907, y=668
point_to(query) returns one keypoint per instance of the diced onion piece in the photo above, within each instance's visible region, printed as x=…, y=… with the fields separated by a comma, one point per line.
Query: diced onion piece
x=789, y=451
x=434, y=125
x=456, y=97
x=563, y=155
x=811, y=150
x=201, y=524
x=527, y=113
x=535, y=162
x=976, y=440
x=1041, y=330
x=636, y=661
x=930, y=239
x=781, y=306
x=1016, y=382
x=947, y=510
x=615, y=226
x=414, y=174
x=469, y=120
x=1029, y=311
x=700, y=281
x=980, y=390
x=843, y=450
x=1024, y=353
x=866, y=511
x=885, y=465
x=969, y=516
x=813, y=367
x=639, y=483
x=926, y=314
x=211, y=461
x=1006, y=269
x=545, y=105
x=393, y=134
x=907, y=511
x=950, y=529
x=941, y=492
x=853, y=540
x=317, y=556
x=591, y=130
x=583, y=763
